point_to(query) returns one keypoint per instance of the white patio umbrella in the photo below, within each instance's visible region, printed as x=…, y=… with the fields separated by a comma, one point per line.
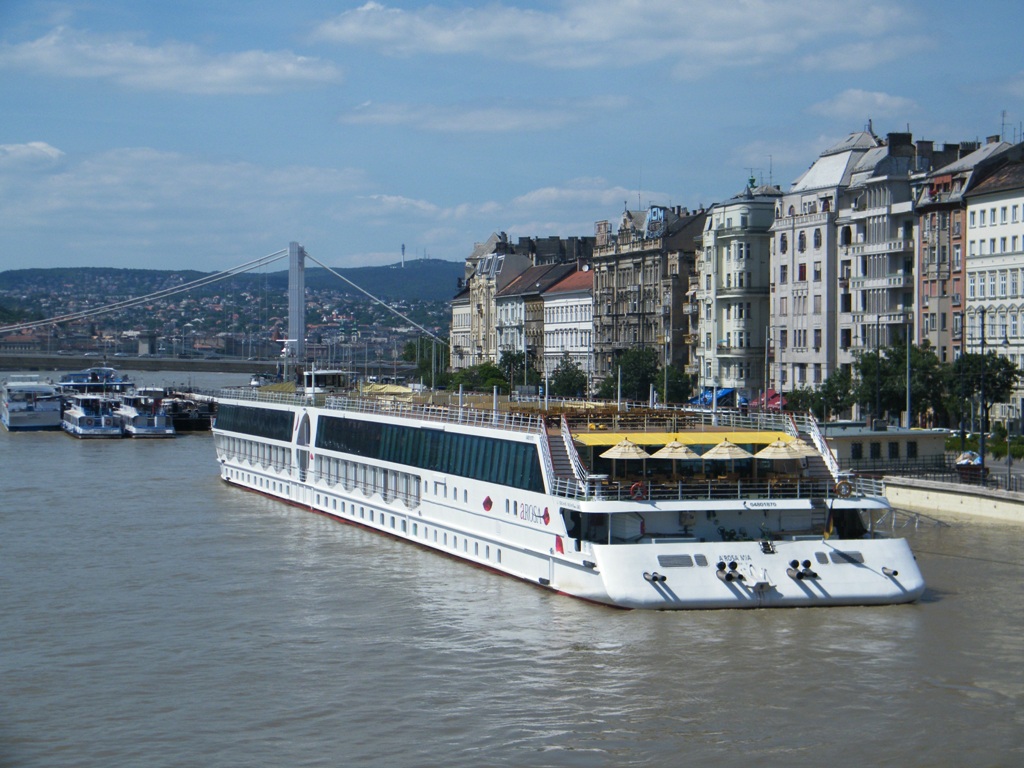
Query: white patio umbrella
x=727, y=451
x=803, y=448
x=675, y=450
x=625, y=449
x=779, y=450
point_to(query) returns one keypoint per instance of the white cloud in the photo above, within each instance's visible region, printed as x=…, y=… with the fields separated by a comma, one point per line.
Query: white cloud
x=471, y=119
x=694, y=38
x=36, y=155
x=856, y=104
x=175, y=67
x=148, y=201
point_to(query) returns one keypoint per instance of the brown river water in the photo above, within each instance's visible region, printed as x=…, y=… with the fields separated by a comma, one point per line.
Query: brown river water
x=152, y=616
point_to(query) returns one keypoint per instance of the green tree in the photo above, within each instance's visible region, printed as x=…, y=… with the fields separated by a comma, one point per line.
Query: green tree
x=836, y=393
x=996, y=375
x=480, y=378
x=680, y=385
x=640, y=369
x=804, y=399
x=568, y=379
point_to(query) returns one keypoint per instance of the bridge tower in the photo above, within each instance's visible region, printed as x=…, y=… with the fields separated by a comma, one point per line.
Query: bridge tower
x=296, y=343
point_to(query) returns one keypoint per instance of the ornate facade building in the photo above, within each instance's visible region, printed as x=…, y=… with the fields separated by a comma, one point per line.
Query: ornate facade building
x=942, y=242
x=732, y=294
x=641, y=273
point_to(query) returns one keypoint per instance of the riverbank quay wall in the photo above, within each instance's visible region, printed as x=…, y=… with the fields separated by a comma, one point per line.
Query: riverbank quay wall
x=45, y=363
x=938, y=499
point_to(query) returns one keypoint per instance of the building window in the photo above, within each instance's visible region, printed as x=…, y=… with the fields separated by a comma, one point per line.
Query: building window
x=817, y=238
x=801, y=242
x=783, y=273
x=801, y=273
x=783, y=243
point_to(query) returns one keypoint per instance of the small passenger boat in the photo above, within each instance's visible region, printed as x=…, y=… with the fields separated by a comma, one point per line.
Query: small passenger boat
x=91, y=416
x=100, y=379
x=29, y=403
x=142, y=414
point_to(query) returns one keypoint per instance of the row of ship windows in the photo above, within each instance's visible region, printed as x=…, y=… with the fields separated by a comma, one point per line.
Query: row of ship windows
x=255, y=452
x=387, y=483
x=380, y=518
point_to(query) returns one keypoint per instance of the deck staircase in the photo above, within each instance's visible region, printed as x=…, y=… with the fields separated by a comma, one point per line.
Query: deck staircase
x=560, y=460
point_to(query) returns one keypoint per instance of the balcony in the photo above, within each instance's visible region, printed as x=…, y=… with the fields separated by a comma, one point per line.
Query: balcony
x=898, y=279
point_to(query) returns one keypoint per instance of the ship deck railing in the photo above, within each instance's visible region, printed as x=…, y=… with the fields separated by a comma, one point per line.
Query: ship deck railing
x=446, y=414
x=691, y=490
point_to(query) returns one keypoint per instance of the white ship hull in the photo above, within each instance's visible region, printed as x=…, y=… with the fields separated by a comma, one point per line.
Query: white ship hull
x=27, y=404
x=660, y=553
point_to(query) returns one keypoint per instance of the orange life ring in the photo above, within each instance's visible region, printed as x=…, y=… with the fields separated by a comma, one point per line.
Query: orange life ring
x=844, y=489
x=637, y=491
x=88, y=422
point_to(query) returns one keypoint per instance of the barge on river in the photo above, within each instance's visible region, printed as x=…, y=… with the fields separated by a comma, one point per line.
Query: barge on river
x=541, y=498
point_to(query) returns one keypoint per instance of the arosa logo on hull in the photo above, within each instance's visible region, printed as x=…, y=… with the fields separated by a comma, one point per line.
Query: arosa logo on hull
x=532, y=513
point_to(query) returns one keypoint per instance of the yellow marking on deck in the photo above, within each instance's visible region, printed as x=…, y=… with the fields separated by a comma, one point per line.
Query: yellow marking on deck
x=710, y=437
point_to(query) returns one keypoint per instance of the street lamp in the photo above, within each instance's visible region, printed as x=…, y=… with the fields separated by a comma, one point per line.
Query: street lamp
x=984, y=412
x=878, y=367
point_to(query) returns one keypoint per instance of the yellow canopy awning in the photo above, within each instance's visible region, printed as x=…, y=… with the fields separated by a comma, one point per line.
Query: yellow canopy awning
x=747, y=437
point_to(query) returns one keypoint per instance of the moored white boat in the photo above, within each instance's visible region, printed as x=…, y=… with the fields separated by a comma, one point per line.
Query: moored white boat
x=142, y=414
x=91, y=416
x=29, y=403
x=530, y=497
x=101, y=379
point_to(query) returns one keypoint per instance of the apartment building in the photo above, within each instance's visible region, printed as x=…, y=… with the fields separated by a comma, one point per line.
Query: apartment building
x=569, y=322
x=492, y=266
x=805, y=267
x=994, y=313
x=732, y=299
x=641, y=277
x=942, y=242
x=519, y=311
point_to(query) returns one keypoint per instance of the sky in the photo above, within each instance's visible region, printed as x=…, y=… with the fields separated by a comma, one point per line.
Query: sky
x=205, y=135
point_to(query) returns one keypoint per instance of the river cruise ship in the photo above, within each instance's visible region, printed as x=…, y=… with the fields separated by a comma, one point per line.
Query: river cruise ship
x=647, y=508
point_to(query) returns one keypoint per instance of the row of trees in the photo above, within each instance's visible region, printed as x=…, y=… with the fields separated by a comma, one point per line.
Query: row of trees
x=641, y=369
x=941, y=394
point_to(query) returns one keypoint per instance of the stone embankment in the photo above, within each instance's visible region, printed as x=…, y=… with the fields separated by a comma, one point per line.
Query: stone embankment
x=938, y=499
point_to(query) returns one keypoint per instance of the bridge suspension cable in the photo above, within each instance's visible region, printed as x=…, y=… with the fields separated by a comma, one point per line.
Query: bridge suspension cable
x=384, y=304
x=133, y=302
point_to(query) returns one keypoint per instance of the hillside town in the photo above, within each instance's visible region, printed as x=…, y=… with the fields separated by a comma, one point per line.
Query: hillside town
x=883, y=243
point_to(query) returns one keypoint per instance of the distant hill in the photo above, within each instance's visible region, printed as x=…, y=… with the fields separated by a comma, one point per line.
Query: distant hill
x=426, y=279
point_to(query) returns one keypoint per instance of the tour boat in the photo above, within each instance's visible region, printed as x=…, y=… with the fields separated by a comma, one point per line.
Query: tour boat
x=644, y=508
x=28, y=403
x=142, y=414
x=91, y=416
x=100, y=379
